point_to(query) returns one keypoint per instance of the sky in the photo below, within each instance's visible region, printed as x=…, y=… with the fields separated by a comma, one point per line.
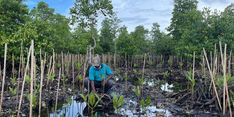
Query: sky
x=133, y=13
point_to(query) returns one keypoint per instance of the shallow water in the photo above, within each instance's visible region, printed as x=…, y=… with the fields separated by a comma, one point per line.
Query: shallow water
x=75, y=108
x=151, y=111
x=72, y=109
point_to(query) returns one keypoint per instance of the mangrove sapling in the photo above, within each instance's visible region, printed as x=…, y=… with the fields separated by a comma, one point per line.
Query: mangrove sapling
x=3, y=78
x=190, y=78
x=118, y=102
x=34, y=99
x=13, y=90
x=92, y=99
x=137, y=92
x=145, y=103
x=13, y=81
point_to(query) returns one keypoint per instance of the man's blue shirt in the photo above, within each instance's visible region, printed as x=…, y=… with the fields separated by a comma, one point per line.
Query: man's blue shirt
x=99, y=74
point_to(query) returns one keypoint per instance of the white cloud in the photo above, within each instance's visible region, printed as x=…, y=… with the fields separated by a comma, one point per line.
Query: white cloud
x=145, y=12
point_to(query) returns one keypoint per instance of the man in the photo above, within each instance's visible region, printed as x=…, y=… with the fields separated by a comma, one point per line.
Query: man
x=100, y=76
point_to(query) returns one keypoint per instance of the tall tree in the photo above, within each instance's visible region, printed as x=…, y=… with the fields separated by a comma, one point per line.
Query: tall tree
x=185, y=27
x=13, y=13
x=124, y=43
x=108, y=34
x=139, y=36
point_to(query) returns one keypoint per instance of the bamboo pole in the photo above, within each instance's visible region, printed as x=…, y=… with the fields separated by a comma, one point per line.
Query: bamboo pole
x=194, y=55
x=3, y=78
x=56, y=100
x=41, y=84
x=13, y=66
x=225, y=87
x=212, y=79
x=73, y=74
x=25, y=74
x=32, y=79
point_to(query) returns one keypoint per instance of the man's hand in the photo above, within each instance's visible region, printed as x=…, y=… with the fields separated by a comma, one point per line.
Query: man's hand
x=104, y=82
x=93, y=86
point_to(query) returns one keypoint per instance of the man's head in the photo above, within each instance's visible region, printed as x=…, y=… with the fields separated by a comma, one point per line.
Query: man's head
x=96, y=61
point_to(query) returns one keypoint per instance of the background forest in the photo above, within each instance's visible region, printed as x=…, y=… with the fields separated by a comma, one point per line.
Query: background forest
x=190, y=30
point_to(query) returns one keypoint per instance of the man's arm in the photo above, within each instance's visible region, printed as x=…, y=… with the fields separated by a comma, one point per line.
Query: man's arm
x=93, y=86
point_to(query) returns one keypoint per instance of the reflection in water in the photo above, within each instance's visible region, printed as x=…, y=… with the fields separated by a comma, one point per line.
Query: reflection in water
x=166, y=87
x=151, y=111
x=73, y=109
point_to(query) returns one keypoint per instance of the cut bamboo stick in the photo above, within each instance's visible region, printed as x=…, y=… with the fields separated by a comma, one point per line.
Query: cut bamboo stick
x=32, y=79
x=56, y=100
x=3, y=78
x=212, y=79
x=25, y=74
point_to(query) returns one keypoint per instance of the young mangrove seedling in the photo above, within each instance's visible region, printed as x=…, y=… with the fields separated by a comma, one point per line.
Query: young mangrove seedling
x=165, y=74
x=27, y=79
x=12, y=91
x=118, y=102
x=190, y=78
x=13, y=80
x=144, y=103
x=92, y=101
x=34, y=99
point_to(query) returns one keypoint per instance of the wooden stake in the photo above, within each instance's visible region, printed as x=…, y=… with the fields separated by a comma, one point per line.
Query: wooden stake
x=25, y=74
x=32, y=79
x=212, y=79
x=3, y=78
x=56, y=100
x=41, y=84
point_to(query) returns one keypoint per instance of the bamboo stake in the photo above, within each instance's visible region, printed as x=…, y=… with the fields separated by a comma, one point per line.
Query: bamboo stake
x=0, y=72
x=212, y=79
x=194, y=54
x=225, y=87
x=41, y=84
x=3, y=78
x=25, y=74
x=32, y=79
x=56, y=100
x=13, y=66
x=73, y=74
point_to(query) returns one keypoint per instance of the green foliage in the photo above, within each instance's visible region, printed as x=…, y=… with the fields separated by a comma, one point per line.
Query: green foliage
x=85, y=12
x=34, y=99
x=220, y=80
x=137, y=91
x=13, y=14
x=27, y=79
x=166, y=74
x=78, y=65
x=12, y=91
x=118, y=101
x=92, y=99
x=141, y=81
x=191, y=79
x=51, y=76
x=13, y=80
x=79, y=78
x=145, y=102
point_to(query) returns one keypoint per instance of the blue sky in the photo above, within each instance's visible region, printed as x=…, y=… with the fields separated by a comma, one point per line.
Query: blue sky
x=137, y=12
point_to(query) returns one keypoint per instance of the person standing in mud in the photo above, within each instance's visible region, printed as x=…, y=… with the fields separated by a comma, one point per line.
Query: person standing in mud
x=100, y=76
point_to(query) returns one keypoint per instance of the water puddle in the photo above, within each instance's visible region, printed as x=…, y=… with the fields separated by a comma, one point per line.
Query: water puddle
x=72, y=109
x=151, y=111
x=75, y=109
x=167, y=87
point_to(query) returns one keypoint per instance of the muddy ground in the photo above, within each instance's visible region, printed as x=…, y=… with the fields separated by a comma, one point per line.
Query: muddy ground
x=170, y=93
